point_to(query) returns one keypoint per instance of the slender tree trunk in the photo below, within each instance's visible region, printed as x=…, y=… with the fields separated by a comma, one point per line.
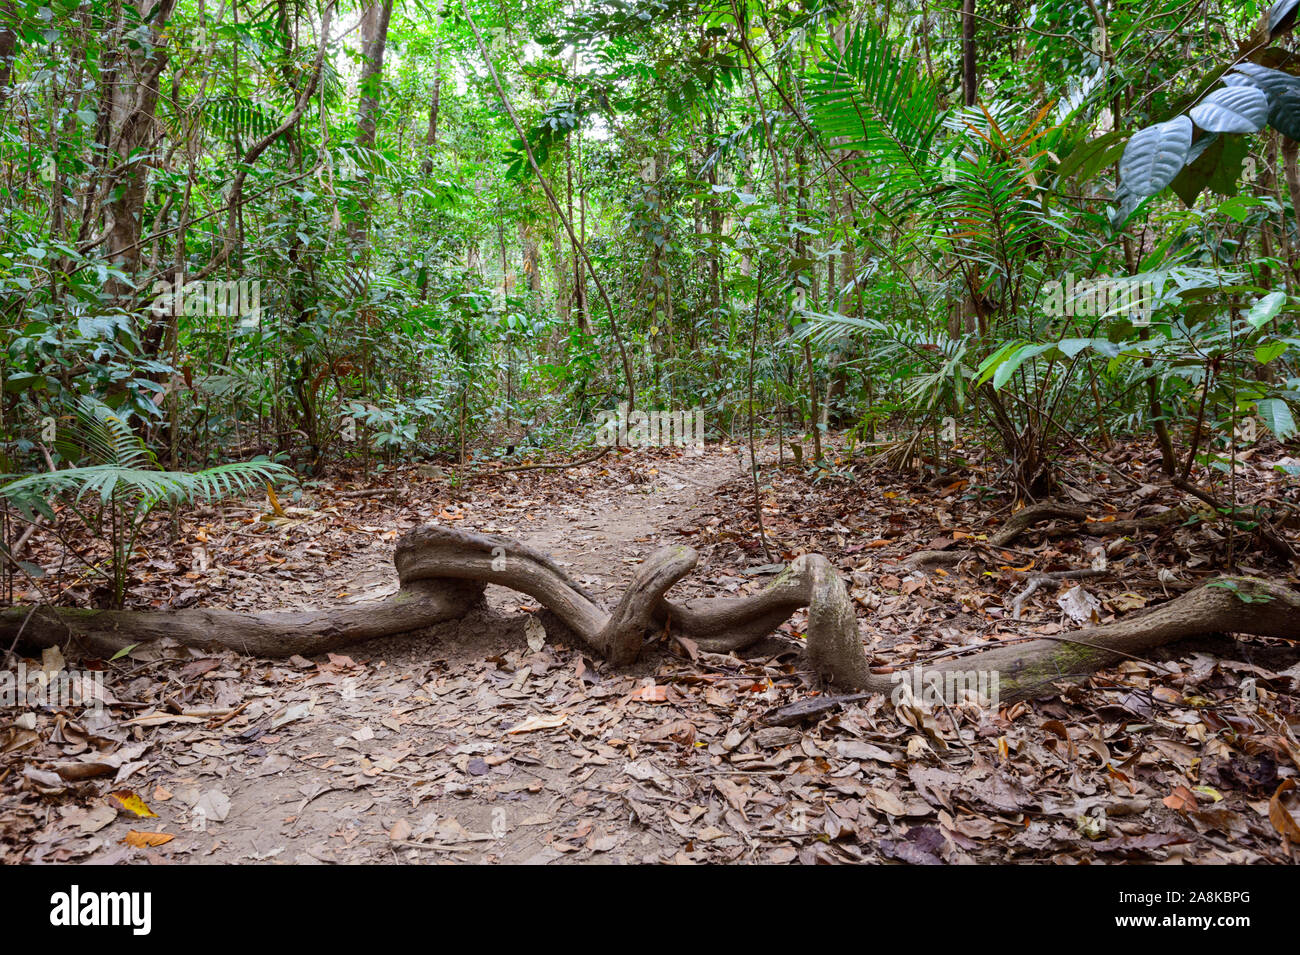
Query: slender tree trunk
x=1291, y=169
x=374, y=36
x=579, y=279
x=969, y=91
x=431, y=137
x=532, y=257
x=8, y=45
x=132, y=103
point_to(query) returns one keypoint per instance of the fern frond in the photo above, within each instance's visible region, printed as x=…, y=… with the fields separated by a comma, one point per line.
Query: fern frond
x=148, y=487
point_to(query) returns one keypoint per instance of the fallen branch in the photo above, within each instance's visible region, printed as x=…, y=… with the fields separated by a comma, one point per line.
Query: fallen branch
x=1027, y=518
x=367, y=492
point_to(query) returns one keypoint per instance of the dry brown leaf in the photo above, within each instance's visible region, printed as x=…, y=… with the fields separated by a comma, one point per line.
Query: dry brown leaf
x=142, y=840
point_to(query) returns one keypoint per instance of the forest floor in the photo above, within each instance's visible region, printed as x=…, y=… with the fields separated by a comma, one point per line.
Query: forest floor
x=491, y=739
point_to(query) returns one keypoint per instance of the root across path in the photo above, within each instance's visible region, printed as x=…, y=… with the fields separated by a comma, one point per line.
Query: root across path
x=442, y=573
x=480, y=731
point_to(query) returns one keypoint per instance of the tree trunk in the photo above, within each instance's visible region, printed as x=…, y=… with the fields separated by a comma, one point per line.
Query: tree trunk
x=431, y=136
x=132, y=102
x=968, y=78
x=374, y=36
x=1291, y=169
x=8, y=45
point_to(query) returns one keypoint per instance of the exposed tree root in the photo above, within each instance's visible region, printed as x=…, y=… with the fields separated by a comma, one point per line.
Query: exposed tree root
x=1023, y=520
x=442, y=573
x=1033, y=668
x=282, y=634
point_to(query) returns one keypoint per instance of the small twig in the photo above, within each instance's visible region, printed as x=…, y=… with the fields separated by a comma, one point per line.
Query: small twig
x=368, y=492
x=956, y=727
x=221, y=721
x=549, y=467
x=436, y=847
x=1038, y=580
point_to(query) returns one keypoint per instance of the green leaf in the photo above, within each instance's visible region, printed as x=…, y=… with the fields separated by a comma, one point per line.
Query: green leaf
x=1283, y=91
x=1232, y=109
x=1154, y=156
x=1202, y=160
x=1087, y=151
x=1266, y=353
x=1072, y=346
x=1239, y=207
x=991, y=364
x=1266, y=309
x=123, y=652
x=1275, y=413
x=1014, y=360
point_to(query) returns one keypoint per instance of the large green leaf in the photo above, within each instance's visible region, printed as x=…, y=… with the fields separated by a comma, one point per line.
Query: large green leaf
x=1284, y=112
x=1266, y=308
x=1218, y=168
x=1276, y=415
x=1232, y=109
x=1281, y=17
x=1271, y=81
x=1202, y=161
x=1283, y=92
x=1002, y=364
x=1155, y=155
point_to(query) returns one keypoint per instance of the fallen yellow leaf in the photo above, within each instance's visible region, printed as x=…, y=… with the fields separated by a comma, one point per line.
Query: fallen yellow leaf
x=133, y=803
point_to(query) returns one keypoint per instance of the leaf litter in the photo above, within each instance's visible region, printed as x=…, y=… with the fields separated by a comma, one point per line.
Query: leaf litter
x=496, y=738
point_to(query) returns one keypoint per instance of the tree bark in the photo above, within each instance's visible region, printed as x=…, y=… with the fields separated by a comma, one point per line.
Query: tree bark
x=132, y=102
x=431, y=135
x=968, y=78
x=8, y=45
x=374, y=36
x=442, y=571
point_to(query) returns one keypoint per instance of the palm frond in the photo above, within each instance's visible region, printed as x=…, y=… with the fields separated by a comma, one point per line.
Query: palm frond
x=96, y=433
x=871, y=99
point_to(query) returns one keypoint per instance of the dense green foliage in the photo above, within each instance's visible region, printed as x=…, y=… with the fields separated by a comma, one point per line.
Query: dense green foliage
x=310, y=233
